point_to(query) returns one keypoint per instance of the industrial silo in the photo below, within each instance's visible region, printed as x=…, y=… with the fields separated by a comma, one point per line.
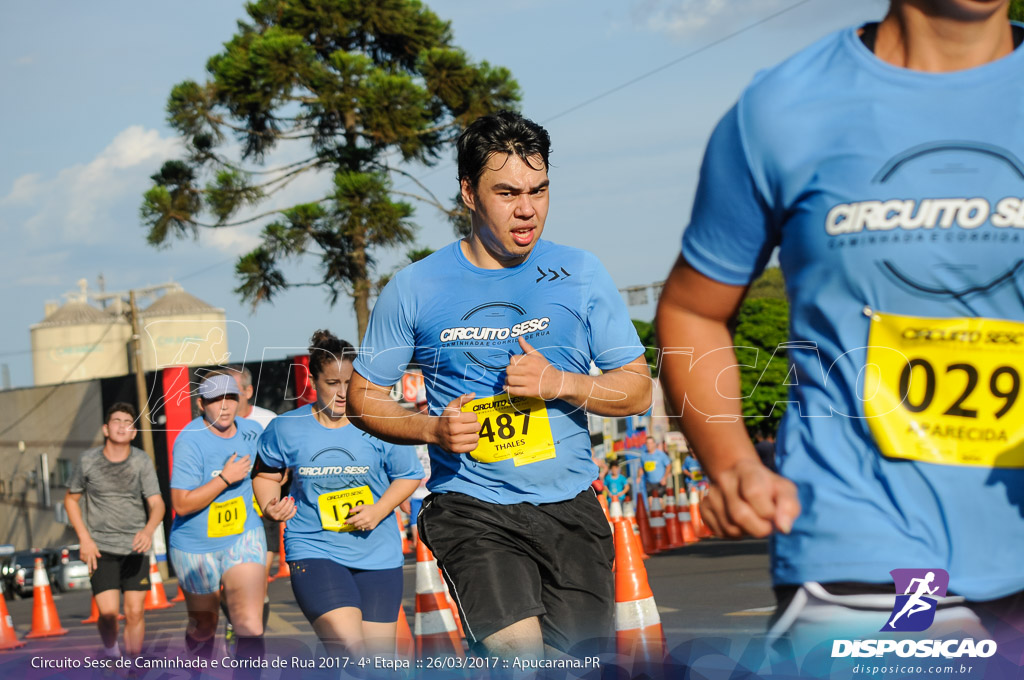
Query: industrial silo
x=179, y=328
x=77, y=341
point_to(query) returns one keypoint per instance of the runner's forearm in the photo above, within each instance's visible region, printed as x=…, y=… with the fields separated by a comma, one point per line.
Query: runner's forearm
x=266, y=489
x=187, y=502
x=157, y=508
x=621, y=392
x=702, y=383
x=371, y=409
x=397, y=492
x=74, y=511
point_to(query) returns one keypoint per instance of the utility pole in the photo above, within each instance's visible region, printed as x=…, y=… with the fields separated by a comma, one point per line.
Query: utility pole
x=140, y=380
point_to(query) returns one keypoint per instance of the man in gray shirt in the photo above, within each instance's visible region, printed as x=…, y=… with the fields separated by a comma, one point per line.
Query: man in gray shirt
x=123, y=509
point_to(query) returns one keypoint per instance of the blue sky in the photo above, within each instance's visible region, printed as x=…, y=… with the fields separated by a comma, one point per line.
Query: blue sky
x=85, y=87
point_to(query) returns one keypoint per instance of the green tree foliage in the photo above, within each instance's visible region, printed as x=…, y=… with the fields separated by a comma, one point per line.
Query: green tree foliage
x=761, y=326
x=364, y=88
x=1017, y=10
x=649, y=340
x=769, y=285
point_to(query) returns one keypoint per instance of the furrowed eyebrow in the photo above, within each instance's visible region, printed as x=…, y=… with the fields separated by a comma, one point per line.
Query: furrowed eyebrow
x=509, y=187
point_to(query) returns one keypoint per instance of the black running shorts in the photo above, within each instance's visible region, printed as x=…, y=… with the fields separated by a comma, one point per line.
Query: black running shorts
x=120, y=572
x=506, y=563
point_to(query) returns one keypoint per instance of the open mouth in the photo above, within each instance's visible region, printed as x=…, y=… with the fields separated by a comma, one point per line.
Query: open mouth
x=523, y=237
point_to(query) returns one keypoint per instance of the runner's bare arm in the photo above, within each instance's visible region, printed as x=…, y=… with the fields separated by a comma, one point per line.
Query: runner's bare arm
x=87, y=547
x=621, y=391
x=372, y=410
x=367, y=517
x=143, y=540
x=266, y=487
x=693, y=315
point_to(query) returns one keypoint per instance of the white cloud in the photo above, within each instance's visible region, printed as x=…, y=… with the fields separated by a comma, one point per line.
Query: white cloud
x=25, y=60
x=78, y=205
x=97, y=202
x=231, y=240
x=24, y=189
x=685, y=18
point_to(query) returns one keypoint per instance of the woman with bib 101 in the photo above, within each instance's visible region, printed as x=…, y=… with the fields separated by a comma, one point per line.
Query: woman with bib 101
x=217, y=537
x=342, y=538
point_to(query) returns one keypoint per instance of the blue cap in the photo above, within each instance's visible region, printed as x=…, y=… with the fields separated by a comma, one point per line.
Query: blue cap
x=217, y=386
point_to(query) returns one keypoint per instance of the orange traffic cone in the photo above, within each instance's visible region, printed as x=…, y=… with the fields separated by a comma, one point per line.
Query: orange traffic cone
x=451, y=605
x=644, y=524
x=673, y=535
x=699, y=527
x=406, y=548
x=615, y=512
x=282, y=561
x=435, y=628
x=638, y=631
x=629, y=515
x=8, y=638
x=157, y=596
x=180, y=597
x=604, y=504
x=404, y=645
x=45, y=622
x=685, y=521
x=658, y=525
x=94, y=616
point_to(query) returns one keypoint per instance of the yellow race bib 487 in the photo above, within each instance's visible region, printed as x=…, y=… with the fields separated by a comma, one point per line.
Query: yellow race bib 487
x=515, y=428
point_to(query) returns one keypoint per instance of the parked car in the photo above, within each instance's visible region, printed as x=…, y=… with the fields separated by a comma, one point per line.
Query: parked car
x=22, y=569
x=72, y=573
x=6, y=571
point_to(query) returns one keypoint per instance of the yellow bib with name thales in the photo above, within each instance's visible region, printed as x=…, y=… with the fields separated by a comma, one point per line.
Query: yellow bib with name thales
x=512, y=428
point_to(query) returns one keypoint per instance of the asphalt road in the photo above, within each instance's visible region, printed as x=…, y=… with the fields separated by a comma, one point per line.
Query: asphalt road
x=710, y=589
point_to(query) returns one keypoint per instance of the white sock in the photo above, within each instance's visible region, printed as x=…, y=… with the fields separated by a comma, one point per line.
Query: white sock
x=114, y=651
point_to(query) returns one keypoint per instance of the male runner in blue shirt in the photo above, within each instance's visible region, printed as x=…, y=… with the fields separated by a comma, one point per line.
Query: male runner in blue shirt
x=505, y=327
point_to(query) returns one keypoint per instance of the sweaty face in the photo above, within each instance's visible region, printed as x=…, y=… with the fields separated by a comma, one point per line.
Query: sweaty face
x=220, y=412
x=120, y=429
x=331, y=385
x=509, y=206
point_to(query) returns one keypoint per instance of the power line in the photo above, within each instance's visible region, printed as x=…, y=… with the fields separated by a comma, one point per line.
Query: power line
x=648, y=74
x=54, y=388
x=677, y=60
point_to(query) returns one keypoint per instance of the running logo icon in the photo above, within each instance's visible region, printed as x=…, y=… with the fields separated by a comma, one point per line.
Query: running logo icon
x=917, y=593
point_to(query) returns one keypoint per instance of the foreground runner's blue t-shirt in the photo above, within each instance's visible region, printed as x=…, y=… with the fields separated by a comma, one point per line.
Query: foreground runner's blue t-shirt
x=461, y=323
x=199, y=456
x=333, y=470
x=897, y=209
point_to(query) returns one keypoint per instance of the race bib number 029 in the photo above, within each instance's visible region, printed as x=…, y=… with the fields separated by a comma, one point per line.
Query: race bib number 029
x=514, y=428
x=946, y=390
x=335, y=506
x=226, y=518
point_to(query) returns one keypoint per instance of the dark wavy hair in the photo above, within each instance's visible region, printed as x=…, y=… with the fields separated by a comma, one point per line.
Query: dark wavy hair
x=324, y=346
x=120, y=407
x=501, y=132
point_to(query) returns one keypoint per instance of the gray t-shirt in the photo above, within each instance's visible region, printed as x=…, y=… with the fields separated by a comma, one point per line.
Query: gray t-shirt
x=115, y=497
